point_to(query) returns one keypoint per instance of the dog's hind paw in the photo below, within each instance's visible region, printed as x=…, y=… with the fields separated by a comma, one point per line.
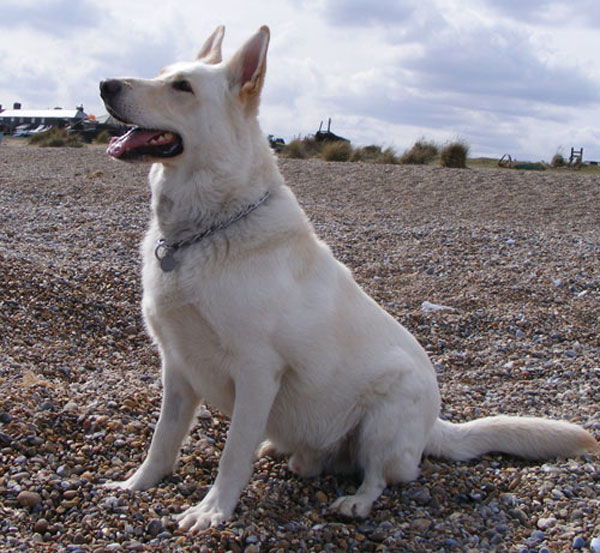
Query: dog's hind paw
x=268, y=448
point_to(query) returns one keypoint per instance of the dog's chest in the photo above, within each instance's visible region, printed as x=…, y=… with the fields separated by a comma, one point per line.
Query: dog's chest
x=180, y=314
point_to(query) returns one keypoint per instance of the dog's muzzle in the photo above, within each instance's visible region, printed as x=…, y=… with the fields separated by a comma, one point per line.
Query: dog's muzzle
x=110, y=88
x=138, y=144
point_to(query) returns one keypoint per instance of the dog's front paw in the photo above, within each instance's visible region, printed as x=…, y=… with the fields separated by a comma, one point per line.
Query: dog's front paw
x=120, y=485
x=140, y=480
x=206, y=514
x=351, y=506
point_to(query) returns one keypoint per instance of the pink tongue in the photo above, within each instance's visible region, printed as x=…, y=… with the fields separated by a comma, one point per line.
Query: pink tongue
x=132, y=139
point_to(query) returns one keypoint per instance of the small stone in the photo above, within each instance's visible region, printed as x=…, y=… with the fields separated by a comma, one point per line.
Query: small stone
x=79, y=538
x=379, y=534
x=595, y=545
x=545, y=523
x=509, y=499
x=538, y=535
x=578, y=542
x=155, y=527
x=422, y=496
x=203, y=413
x=420, y=524
x=321, y=497
x=29, y=499
x=520, y=515
x=252, y=549
x=41, y=525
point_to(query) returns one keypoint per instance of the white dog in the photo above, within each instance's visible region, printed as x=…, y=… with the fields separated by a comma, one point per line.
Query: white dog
x=254, y=315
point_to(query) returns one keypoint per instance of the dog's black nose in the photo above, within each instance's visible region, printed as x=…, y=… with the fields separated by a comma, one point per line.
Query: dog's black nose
x=110, y=88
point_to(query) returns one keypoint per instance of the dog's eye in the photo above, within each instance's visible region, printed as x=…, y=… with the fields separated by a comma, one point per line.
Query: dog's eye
x=183, y=86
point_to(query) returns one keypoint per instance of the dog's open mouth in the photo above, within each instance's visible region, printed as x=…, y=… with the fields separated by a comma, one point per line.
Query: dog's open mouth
x=140, y=144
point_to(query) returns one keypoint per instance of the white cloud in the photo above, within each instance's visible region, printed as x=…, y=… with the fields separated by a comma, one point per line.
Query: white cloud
x=357, y=13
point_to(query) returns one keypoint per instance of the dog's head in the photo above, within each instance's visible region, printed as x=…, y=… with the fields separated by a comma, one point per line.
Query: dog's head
x=190, y=108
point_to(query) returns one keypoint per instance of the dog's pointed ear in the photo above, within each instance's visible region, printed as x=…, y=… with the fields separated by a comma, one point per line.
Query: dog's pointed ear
x=211, y=51
x=246, y=70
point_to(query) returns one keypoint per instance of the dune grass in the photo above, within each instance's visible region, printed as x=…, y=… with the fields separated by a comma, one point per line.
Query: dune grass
x=55, y=138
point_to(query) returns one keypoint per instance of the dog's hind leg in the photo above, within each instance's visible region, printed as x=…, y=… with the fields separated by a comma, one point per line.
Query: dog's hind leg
x=391, y=439
x=177, y=411
x=359, y=504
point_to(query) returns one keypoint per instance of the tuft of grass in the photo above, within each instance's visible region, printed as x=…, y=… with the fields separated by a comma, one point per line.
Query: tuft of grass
x=375, y=154
x=336, y=151
x=296, y=149
x=454, y=155
x=558, y=160
x=313, y=147
x=302, y=148
x=103, y=137
x=389, y=156
x=55, y=138
x=367, y=153
x=421, y=153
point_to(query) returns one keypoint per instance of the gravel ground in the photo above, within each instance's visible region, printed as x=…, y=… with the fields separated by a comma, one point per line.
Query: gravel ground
x=515, y=255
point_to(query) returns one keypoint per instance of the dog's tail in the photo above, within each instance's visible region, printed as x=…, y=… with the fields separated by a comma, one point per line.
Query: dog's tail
x=528, y=437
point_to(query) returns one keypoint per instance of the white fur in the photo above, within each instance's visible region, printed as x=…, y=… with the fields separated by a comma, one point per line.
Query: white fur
x=262, y=322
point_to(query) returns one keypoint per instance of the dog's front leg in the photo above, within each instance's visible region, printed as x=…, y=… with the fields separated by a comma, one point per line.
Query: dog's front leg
x=176, y=413
x=254, y=395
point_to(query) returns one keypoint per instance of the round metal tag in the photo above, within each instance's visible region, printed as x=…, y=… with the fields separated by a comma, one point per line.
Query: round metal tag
x=167, y=263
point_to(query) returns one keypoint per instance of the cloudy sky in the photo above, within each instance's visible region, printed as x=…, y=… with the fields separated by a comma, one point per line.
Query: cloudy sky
x=507, y=76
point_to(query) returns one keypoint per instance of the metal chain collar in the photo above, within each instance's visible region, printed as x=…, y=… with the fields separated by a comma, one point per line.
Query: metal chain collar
x=167, y=261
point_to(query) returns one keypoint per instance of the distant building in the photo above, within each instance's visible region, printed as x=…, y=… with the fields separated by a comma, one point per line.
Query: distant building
x=18, y=120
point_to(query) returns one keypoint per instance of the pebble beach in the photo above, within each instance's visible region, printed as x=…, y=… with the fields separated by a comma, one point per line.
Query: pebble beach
x=495, y=271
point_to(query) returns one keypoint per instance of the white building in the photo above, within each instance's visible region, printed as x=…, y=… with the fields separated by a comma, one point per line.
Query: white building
x=10, y=119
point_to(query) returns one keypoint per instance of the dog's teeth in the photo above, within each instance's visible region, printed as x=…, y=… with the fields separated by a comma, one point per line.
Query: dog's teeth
x=161, y=138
